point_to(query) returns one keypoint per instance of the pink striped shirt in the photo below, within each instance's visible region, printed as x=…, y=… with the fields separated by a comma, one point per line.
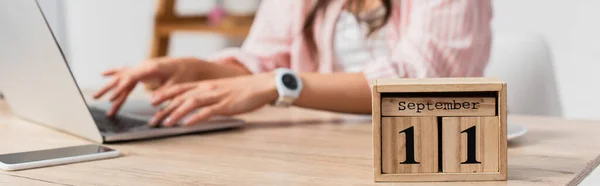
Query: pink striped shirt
x=429, y=38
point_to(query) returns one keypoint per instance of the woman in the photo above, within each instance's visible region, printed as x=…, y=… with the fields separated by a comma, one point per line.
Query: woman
x=336, y=47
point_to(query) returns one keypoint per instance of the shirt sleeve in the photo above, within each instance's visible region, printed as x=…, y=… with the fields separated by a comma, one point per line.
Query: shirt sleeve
x=444, y=38
x=268, y=44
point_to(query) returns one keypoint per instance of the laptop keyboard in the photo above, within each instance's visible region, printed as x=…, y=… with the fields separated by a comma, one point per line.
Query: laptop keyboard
x=118, y=123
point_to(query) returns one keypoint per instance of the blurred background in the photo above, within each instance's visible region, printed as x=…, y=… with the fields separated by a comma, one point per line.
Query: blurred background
x=546, y=50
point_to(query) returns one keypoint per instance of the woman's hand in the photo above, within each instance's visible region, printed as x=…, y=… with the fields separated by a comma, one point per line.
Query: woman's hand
x=214, y=97
x=161, y=72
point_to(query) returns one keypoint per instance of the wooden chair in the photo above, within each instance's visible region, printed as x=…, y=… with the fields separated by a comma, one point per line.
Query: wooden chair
x=167, y=22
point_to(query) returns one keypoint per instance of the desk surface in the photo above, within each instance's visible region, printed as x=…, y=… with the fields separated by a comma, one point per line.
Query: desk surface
x=286, y=147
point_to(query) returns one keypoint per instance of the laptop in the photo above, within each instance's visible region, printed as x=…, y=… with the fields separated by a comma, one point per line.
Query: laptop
x=38, y=85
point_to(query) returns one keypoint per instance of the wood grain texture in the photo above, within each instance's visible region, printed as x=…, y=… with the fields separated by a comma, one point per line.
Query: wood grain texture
x=394, y=144
x=376, y=117
x=455, y=144
x=446, y=178
x=453, y=97
x=585, y=172
x=438, y=85
x=503, y=149
x=438, y=106
x=288, y=147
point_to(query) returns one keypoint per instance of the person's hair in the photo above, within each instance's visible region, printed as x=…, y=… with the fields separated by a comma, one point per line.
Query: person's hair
x=321, y=6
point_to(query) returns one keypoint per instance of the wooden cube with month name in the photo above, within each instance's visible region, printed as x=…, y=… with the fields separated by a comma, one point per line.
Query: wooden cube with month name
x=439, y=129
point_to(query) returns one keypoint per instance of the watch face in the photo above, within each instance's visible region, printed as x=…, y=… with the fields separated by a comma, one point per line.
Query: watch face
x=290, y=81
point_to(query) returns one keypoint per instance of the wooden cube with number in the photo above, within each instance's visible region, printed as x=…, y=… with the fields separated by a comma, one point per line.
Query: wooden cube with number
x=442, y=129
x=405, y=148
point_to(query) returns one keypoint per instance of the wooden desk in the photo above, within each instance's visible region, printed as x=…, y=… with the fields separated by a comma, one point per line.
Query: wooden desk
x=286, y=147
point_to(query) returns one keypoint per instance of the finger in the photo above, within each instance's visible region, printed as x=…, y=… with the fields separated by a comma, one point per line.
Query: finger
x=169, y=93
x=106, y=88
x=200, y=89
x=160, y=115
x=124, y=84
x=165, y=86
x=111, y=72
x=117, y=103
x=188, y=106
x=204, y=114
x=134, y=77
x=169, y=82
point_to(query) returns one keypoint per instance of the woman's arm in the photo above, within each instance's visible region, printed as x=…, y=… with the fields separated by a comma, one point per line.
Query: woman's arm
x=338, y=92
x=228, y=68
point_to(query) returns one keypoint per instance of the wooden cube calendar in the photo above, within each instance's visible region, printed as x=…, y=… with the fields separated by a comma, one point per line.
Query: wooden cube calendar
x=440, y=129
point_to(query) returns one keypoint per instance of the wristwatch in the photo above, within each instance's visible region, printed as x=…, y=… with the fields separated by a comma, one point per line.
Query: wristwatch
x=289, y=86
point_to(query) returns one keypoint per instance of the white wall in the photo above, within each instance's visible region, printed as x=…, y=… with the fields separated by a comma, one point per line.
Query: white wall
x=571, y=27
x=101, y=35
